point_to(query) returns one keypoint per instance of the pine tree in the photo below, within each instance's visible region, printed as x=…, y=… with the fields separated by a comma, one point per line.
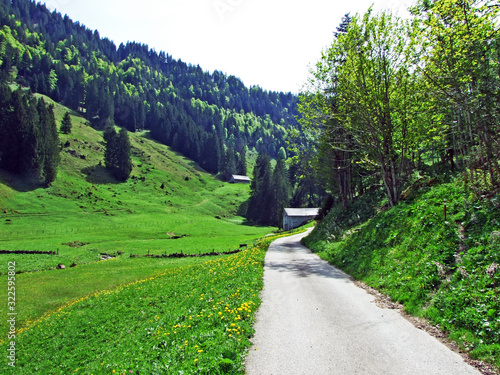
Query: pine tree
x=118, y=154
x=66, y=123
x=110, y=153
x=242, y=162
x=29, y=143
x=261, y=193
x=124, y=161
x=211, y=157
x=49, y=144
x=5, y=130
x=281, y=192
x=230, y=162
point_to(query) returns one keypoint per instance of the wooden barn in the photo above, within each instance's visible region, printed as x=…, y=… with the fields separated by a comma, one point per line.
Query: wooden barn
x=295, y=217
x=237, y=179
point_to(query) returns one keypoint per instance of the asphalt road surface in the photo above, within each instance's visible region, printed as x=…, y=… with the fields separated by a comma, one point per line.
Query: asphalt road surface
x=313, y=320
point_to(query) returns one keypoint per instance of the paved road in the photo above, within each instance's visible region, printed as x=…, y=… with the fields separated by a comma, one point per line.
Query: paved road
x=313, y=321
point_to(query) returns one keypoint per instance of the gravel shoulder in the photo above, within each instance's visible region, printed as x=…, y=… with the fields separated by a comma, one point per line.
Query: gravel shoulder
x=315, y=320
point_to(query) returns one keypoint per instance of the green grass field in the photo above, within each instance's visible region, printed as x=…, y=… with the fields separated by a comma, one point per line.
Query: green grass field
x=190, y=318
x=86, y=212
x=166, y=195
x=168, y=205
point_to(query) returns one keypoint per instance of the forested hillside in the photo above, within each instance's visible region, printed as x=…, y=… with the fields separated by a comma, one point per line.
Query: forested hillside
x=210, y=117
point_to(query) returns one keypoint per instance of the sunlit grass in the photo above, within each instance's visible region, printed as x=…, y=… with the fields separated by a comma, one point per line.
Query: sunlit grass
x=195, y=318
x=167, y=206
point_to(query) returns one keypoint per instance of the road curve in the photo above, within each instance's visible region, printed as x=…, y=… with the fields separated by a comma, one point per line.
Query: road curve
x=313, y=321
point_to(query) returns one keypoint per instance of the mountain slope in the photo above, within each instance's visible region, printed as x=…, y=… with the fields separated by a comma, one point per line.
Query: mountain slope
x=138, y=88
x=166, y=196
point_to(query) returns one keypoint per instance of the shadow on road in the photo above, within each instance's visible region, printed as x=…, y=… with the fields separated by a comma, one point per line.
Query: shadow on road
x=294, y=258
x=306, y=268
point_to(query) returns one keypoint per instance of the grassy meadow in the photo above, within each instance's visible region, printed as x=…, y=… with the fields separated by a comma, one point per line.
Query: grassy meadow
x=190, y=318
x=166, y=196
x=168, y=205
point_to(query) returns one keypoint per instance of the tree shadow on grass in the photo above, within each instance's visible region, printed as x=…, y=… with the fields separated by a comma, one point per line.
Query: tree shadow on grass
x=20, y=183
x=98, y=174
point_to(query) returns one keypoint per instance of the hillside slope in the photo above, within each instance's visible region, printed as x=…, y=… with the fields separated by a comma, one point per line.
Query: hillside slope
x=444, y=270
x=197, y=113
x=86, y=212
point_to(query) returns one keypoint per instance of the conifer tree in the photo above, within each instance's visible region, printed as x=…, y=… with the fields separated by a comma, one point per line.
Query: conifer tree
x=230, y=162
x=124, y=161
x=211, y=154
x=66, y=124
x=49, y=143
x=9, y=133
x=118, y=155
x=110, y=153
x=281, y=192
x=242, y=162
x=261, y=193
x=29, y=143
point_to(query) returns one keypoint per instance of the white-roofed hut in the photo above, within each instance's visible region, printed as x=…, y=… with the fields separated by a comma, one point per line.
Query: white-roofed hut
x=295, y=217
x=237, y=179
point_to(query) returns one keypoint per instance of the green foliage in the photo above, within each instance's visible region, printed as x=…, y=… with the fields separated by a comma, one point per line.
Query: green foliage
x=66, y=123
x=281, y=192
x=460, y=62
x=445, y=270
x=117, y=157
x=270, y=192
x=391, y=97
x=261, y=194
x=29, y=142
x=138, y=88
x=242, y=163
x=281, y=154
x=362, y=106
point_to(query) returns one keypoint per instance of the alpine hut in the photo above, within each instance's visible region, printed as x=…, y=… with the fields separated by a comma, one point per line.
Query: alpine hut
x=237, y=179
x=295, y=217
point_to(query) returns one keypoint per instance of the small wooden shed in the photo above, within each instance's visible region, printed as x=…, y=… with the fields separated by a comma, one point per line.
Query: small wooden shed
x=295, y=217
x=237, y=179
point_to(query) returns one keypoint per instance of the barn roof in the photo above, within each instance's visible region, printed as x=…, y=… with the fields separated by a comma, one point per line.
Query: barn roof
x=241, y=178
x=302, y=211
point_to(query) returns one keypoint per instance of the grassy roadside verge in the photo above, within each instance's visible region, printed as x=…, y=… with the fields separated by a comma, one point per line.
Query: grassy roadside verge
x=444, y=270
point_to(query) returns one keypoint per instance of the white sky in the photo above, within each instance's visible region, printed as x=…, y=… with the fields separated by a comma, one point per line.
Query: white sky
x=269, y=43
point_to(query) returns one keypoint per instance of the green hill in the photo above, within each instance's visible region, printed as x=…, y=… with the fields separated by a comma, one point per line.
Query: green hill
x=169, y=205
x=166, y=196
x=209, y=117
x=444, y=270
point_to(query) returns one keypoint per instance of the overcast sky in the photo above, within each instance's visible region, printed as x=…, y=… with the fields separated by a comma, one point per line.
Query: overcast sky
x=269, y=43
